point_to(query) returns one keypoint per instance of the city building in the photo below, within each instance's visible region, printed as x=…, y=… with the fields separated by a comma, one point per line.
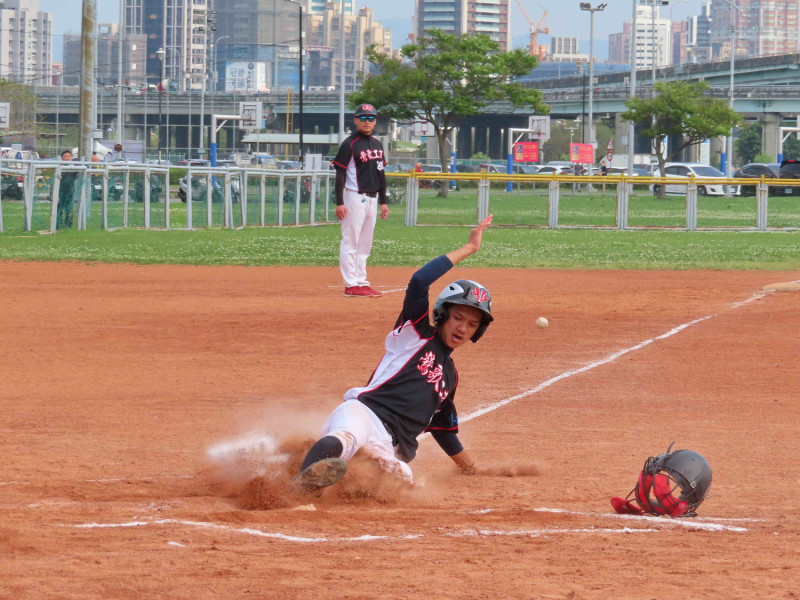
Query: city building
x=325, y=48
x=180, y=28
x=319, y=6
x=461, y=17
x=25, y=42
x=565, y=49
x=652, y=39
x=758, y=28
x=107, y=57
x=268, y=39
x=698, y=43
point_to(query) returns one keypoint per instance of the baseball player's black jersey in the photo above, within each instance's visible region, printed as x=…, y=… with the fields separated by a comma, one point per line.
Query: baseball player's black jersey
x=412, y=389
x=362, y=158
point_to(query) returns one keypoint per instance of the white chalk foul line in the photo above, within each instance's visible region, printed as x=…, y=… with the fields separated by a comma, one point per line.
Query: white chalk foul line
x=599, y=363
x=654, y=525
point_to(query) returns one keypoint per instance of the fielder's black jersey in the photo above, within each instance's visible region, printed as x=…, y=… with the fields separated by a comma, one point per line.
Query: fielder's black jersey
x=363, y=159
x=413, y=387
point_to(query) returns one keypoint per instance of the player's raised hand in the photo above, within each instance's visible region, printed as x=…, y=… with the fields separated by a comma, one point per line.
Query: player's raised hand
x=476, y=234
x=473, y=244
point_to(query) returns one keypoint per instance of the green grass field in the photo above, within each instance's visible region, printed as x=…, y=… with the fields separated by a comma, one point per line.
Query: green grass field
x=520, y=238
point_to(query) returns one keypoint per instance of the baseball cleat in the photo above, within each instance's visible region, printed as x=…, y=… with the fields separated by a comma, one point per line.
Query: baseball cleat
x=373, y=293
x=320, y=474
x=356, y=292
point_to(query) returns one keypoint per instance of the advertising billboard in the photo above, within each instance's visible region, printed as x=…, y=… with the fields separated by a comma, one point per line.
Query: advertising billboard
x=246, y=77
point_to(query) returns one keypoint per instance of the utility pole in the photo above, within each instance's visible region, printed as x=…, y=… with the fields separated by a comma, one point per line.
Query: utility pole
x=120, y=83
x=342, y=78
x=87, y=91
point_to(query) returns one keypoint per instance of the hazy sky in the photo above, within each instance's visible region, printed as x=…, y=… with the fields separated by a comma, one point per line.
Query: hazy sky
x=562, y=19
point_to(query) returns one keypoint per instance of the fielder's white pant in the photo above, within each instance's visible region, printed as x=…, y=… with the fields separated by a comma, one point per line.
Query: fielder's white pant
x=357, y=427
x=358, y=228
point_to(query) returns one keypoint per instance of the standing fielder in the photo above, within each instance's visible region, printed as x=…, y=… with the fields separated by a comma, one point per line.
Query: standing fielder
x=360, y=186
x=412, y=389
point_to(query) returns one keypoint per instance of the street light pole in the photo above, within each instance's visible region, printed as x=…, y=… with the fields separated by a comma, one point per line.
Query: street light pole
x=342, y=75
x=160, y=89
x=729, y=145
x=300, y=68
x=631, y=126
x=120, y=117
x=588, y=7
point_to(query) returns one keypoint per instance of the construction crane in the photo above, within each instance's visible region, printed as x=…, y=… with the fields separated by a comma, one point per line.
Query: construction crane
x=535, y=29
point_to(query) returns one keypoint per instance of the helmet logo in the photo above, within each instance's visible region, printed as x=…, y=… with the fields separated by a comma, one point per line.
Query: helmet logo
x=480, y=295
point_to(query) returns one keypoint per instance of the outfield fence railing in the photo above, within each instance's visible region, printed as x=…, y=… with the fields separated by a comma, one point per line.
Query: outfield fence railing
x=601, y=202
x=49, y=196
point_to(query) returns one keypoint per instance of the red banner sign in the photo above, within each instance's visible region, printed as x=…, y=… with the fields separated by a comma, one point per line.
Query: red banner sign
x=526, y=152
x=581, y=153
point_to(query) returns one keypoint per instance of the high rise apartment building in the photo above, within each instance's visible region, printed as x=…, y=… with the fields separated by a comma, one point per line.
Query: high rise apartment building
x=25, y=42
x=565, y=49
x=325, y=47
x=653, y=40
x=320, y=6
x=461, y=17
x=263, y=32
x=759, y=27
x=134, y=53
x=179, y=27
x=698, y=42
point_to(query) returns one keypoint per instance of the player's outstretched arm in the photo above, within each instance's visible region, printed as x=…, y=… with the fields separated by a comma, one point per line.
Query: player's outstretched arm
x=464, y=462
x=473, y=244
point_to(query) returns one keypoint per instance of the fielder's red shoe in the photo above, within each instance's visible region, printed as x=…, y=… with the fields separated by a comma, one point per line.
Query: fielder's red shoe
x=373, y=293
x=356, y=292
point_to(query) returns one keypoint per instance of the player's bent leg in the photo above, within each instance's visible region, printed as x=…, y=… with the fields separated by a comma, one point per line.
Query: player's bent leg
x=326, y=447
x=320, y=474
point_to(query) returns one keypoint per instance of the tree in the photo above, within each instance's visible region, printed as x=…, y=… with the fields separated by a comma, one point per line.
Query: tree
x=748, y=145
x=682, y=109
x=23, y=119
x=443, y=78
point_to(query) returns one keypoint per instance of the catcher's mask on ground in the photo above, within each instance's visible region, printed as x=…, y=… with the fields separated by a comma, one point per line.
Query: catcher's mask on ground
x=684, y=471
x=467, y=293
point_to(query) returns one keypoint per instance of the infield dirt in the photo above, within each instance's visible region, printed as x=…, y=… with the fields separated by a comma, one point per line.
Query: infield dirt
x=151, y=417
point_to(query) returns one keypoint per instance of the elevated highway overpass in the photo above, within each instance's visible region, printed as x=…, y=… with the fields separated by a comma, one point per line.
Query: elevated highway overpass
x=766, y=89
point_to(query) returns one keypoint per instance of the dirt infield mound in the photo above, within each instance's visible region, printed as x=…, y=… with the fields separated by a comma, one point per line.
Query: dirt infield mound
x=153, y=416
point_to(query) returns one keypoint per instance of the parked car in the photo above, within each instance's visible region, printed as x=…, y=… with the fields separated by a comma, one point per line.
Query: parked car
x=464, y=168
x=395, y=168
x=265, y=160
x=624, y=171
x=789, y=169
x=756, y=171
x=289, y=165
x=194, y=162
x=686, y=170
x=526, y=169
x=555, y=169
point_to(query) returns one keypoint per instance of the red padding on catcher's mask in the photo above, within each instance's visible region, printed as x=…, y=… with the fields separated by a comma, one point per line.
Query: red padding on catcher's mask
x=624, y=507
x=663, y=491
x=643, y=492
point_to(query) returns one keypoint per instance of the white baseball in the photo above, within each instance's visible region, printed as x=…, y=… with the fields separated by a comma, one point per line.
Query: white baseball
x=542, y=322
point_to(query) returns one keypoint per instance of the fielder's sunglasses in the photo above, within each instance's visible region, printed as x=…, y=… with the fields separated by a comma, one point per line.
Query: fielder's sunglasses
x=369, y=118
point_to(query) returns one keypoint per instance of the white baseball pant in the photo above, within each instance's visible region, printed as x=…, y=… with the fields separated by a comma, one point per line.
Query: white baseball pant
x=357, y=427
x=358, y=228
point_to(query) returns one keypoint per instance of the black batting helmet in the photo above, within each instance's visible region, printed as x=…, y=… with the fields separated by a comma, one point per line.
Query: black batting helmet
x=467, y=293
